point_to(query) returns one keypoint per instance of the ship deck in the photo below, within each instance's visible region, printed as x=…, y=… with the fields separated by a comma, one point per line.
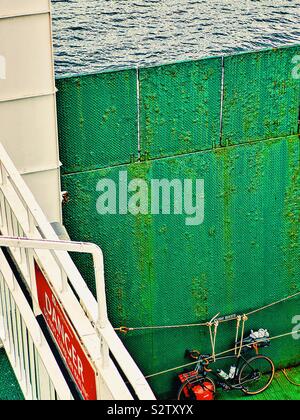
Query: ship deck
x=280, y=389
x=9, y=387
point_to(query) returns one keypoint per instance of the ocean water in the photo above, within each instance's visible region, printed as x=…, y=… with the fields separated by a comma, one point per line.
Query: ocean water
x=95, y=35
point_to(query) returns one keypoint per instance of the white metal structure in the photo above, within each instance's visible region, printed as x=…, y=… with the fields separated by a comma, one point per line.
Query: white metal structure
x=27, y=98
x=35, y=367
x=29, y=237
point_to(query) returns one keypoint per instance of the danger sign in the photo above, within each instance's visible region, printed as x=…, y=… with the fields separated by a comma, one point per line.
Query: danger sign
x=66, y=338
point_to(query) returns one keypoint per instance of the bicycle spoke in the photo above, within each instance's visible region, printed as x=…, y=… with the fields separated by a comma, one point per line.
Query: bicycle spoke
x=256, y=375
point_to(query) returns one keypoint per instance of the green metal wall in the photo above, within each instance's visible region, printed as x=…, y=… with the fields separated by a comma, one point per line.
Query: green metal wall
x=261, y=98
x=180, y=108
x=246, y=253
x=98, y=120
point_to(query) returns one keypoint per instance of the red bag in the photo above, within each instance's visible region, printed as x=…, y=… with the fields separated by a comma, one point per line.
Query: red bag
x=204, y=392
x=201, y=391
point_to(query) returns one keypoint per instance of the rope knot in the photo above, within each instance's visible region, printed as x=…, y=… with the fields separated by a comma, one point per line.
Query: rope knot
x=124, y=330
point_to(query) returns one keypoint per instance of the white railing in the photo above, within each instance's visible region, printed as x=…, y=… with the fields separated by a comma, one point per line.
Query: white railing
x=22, y=219
x=34, y=365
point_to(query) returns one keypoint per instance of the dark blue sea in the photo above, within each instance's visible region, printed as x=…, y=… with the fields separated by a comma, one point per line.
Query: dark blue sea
x=94, y=35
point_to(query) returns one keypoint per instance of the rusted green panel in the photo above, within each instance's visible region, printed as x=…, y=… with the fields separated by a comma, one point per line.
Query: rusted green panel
x=246, y=253
x=160, y=271
x=97, y=119
x=180, y=107
x=261, y=95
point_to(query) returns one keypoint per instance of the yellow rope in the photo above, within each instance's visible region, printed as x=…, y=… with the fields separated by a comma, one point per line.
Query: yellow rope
x=159, y=327
x=217, y=355
x=273, y=304
x=238, y=323
x=125, y=330
x=244, y=319
x=213, y=337
x=288, y=378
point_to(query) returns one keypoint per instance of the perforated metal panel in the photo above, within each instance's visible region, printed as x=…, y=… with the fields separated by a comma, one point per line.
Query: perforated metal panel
x=246, y=253
x=161, y=272
x=180, y=107
x=97, y=116
x=9, y=389
x=261, y=96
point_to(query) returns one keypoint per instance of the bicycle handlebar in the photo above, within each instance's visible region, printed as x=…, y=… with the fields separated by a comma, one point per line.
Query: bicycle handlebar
x=196, y=355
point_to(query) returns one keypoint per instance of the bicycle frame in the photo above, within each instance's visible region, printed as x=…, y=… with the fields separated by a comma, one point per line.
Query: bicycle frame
x=231, y=383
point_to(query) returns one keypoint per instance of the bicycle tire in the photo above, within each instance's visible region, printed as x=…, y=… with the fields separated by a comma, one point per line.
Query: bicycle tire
x=194, y=382
x=251, y=362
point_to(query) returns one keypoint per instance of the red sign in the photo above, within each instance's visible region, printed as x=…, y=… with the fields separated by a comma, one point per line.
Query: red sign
x=66, y=338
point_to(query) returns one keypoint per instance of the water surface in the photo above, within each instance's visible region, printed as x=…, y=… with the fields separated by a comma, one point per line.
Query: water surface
x=93, y=35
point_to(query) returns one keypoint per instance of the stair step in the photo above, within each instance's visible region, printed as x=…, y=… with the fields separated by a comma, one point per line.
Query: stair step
x=9, y=387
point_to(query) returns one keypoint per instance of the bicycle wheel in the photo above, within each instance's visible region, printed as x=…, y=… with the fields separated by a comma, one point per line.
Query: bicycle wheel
x=256, y=375
x=187, y=385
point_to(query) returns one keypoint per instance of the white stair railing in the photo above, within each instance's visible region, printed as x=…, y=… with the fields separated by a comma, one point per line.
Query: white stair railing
x=35, y=367
x=34, y=246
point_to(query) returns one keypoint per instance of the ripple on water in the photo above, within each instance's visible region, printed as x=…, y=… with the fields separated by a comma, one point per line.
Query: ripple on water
x=93, y=35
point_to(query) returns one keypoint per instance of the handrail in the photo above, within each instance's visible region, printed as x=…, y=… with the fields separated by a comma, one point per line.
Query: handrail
x=38, y=218
x=35, y=235
x=104, y=330
x=98, y=318
x=56, y=383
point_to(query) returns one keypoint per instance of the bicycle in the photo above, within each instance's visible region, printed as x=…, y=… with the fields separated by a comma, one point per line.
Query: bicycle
x=250, y=375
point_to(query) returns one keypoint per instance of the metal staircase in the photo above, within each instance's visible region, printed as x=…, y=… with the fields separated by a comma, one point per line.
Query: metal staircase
x=56, y=335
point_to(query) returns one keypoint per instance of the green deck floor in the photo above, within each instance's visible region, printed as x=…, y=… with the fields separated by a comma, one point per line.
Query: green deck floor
x=280, y=389
x=9, y=387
